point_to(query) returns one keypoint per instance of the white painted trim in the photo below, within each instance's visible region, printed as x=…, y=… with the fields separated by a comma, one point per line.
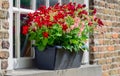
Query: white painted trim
x=60, y=1
x=17, y=35
x=47, y=3
x=87, y=3
x=20, y=62
x=85, y=59
x=33, y=4
x=10, y=19
x=21, y=10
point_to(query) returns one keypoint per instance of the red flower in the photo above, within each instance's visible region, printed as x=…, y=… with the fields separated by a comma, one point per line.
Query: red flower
x=100, y=22
x=58, y=16
x=71, y=6
x=90, y=23
x=79, y=6
x=83, y=12
x=25, y=29
x=45, y=34
x=64, y=27
x=83, y=5
x=37, y=20
x=94, y=11
x=71, y=13
x=56, y=6
x=95, y=19
x=43, y=10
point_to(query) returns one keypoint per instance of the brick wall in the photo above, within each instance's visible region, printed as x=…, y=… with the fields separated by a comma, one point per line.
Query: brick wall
x=105, y=43
x=4, y=35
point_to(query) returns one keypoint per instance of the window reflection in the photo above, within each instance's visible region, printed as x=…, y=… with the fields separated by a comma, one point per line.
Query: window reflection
x=40, y=2
x=25, y=4
x=79, y=1
x=65, y=1
x=53, y=2
x=25, y=46
x=13, y=34
x=14, y=3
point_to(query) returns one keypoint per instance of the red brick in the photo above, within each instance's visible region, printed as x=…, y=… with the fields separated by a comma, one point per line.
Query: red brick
x=108, y=23
x=109, y=60
x=115, y=35
x=93, y=48
x=4, y=64
x=113, y=72
x=102, y=3
x=106, y=67
x=108, y=36
x=105, y=74
x=4, y=54
x=110, y=48
x=5, y=4
x=102, y=61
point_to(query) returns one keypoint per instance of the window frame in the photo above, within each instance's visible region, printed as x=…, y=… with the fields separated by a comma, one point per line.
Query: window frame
x=20, y=62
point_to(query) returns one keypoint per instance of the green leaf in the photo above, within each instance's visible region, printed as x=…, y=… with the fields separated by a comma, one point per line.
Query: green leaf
x=41, y=48
x=69, y=20
x=58, y=34
x=32, y=35
x=45, y=41
x=74, y=41
x=50, y=41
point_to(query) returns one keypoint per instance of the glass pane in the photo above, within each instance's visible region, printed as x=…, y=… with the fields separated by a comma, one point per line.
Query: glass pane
x=53, y=2
x=14, y=3
x=25, y=46
x=39, y=3
x=25, y=4
x=13, y=34
x=79, y=1
x=65, y=1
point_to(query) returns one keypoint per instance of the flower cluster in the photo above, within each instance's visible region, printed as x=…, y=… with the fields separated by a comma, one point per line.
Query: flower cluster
x=64, y=25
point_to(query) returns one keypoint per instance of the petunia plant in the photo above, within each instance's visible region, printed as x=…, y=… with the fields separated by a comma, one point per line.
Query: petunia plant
x=66, y=25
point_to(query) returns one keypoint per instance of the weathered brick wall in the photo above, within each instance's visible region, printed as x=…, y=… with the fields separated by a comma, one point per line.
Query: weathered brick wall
x=4, y=35
x=105, y=44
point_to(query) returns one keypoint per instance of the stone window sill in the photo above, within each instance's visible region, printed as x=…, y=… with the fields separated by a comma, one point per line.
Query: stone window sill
x=85, y=70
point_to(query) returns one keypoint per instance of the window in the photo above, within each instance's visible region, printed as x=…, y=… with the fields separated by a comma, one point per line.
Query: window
x=22, y=53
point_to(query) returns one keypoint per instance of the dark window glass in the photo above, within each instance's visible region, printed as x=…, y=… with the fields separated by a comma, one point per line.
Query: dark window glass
x=53, y=2
x=14, y=3
x=65, y=1
x=14, y=35
x=25, y=4
x=39, y=3
x=25, y=46
x=79, y=1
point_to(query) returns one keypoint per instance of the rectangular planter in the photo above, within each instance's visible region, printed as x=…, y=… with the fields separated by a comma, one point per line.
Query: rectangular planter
x=54, y=58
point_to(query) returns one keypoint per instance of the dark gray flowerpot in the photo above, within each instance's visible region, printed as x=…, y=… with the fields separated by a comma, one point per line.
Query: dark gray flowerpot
x=54, y=58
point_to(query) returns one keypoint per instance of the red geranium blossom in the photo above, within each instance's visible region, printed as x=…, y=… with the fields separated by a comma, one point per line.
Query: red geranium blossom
x=64, y=27
x=100, y=22
x=90, y=23
x=45, y=34
x=25, y=29
x=94, y=11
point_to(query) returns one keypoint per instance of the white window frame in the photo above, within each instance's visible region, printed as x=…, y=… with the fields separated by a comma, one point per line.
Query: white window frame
x=20, y=62
x=86, y=59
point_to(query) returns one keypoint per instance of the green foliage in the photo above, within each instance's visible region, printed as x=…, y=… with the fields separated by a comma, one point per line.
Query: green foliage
x=68, y=26
x=69, y=20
